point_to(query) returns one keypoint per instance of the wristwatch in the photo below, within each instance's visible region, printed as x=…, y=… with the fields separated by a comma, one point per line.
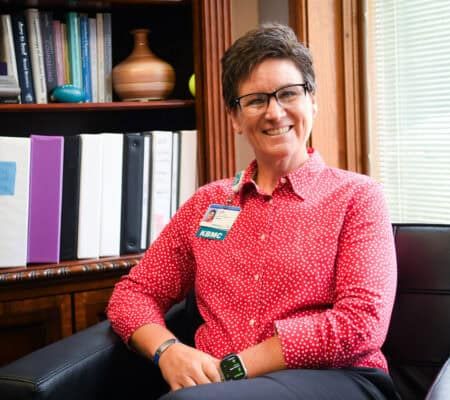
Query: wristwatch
x=232, y=368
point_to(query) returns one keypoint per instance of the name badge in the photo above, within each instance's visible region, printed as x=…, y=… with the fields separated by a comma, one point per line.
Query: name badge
x=217, y=221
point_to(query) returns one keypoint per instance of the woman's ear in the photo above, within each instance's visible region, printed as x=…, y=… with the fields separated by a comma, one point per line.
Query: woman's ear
x=314, y=105
x=233, y=113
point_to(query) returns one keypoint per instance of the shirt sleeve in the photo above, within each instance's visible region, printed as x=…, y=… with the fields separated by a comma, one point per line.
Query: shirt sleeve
x=357, y=323
x=163, y=277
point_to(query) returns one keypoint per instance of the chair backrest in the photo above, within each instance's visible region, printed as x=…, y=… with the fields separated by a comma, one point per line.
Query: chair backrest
x=418, y=341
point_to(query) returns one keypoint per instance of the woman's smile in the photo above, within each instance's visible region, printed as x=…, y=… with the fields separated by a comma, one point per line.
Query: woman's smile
x=277, y=131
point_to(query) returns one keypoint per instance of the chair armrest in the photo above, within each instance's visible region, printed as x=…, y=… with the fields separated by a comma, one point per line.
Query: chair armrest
x=440, y=390
x=91, y=364
x=63, y=369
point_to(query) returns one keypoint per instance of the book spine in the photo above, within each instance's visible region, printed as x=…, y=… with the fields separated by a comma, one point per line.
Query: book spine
x=73, y=38
x=65, y=51
x=59, y=55
x=22, y=51
x=93, y=57
x=100, y=59
x=8, y=46
x=85, y=57
x=9, y=100
x=9, y=86
x=37, y=55
x=46, y=21
x=108, y=55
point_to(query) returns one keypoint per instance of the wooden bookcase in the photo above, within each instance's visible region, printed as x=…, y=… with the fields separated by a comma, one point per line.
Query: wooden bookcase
x=43, y=303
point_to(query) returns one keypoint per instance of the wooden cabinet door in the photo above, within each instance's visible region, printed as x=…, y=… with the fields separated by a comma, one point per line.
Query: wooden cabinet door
x=27, y=325
x=90, y=307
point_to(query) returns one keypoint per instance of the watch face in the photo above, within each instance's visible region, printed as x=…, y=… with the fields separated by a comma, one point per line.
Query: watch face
x=232, y=368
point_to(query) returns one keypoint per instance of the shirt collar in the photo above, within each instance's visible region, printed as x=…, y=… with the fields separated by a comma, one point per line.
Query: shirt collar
x=302, y=179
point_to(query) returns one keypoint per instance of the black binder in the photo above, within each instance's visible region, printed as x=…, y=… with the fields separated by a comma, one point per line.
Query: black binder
x=70, y=198
x=133, y=159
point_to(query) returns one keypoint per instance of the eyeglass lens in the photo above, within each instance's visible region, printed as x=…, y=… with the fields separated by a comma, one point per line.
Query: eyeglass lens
x=258, y=102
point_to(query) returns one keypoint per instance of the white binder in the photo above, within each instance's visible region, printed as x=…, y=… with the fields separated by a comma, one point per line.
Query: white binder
x=90, y=196
x=14, y=202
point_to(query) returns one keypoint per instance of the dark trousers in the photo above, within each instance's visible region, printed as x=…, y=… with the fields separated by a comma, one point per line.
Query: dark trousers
x=298, y=384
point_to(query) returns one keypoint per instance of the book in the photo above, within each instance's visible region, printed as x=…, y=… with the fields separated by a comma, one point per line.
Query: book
x=132, y=181
x=107, y=48
x=9, y=100
x=65, y=52
x=188, y=165
x=161, y=178
x=59, y=54
x=9, y=86
x=44, y=223
x=100, y=58
x=89, y=213
x=85, y=57
x=93, y=57
x=48, y=47
x=111, y=207
x=7, y=52
x=14, y=200
x=37, y=54
x=74, y=48
x=22, y=51
x=70, y=198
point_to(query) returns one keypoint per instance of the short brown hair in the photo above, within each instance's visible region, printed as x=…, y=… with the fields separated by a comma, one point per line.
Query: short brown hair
x=271, y=40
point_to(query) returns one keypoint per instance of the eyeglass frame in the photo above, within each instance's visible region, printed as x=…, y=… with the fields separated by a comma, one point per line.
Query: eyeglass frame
x=305, y=85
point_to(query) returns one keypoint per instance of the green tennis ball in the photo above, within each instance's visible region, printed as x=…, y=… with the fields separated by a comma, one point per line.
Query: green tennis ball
x=192, y=84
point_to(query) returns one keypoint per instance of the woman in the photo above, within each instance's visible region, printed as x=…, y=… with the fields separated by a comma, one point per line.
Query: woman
x=298, y=282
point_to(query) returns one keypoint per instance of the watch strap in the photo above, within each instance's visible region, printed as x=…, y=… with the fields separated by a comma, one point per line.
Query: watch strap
x=161, y=349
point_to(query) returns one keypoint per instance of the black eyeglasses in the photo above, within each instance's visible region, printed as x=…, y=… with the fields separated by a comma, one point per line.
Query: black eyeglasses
x=286, y=96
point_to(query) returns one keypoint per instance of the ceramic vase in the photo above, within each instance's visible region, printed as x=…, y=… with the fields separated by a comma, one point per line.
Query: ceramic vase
x=142, y=76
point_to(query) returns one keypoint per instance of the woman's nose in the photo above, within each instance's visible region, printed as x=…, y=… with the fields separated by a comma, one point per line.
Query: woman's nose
x=274, y=109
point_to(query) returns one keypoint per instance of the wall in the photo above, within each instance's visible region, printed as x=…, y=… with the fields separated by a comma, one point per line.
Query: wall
x=247, y=15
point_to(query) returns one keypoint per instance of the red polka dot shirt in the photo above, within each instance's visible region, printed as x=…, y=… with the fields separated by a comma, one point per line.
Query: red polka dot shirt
x=314, y=263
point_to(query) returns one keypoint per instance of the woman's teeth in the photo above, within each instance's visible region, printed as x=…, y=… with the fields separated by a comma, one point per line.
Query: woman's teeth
x=278, y=131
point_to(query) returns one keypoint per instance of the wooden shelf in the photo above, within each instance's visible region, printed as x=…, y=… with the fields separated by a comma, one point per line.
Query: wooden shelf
x=67, y=269
x=91, y=4
x=115, y=106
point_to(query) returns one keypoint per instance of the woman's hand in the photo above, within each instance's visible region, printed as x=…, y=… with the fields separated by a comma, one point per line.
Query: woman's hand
x=183, y=366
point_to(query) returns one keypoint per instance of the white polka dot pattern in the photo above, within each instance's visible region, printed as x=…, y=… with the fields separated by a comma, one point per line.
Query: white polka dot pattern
x=315, y=262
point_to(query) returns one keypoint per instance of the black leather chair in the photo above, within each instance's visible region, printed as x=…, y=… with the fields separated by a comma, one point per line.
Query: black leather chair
x=95, y=364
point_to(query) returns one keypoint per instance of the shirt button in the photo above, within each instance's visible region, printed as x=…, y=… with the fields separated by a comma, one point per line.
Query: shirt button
x=251, y=322
x=263, y=236
x=283, y=180
x=256, y=277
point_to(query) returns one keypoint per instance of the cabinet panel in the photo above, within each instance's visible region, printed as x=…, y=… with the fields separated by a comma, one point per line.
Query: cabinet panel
x=90, y=307
x=26, y=325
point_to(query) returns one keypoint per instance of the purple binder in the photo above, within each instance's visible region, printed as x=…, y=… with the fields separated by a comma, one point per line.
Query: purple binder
x=44, y=224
